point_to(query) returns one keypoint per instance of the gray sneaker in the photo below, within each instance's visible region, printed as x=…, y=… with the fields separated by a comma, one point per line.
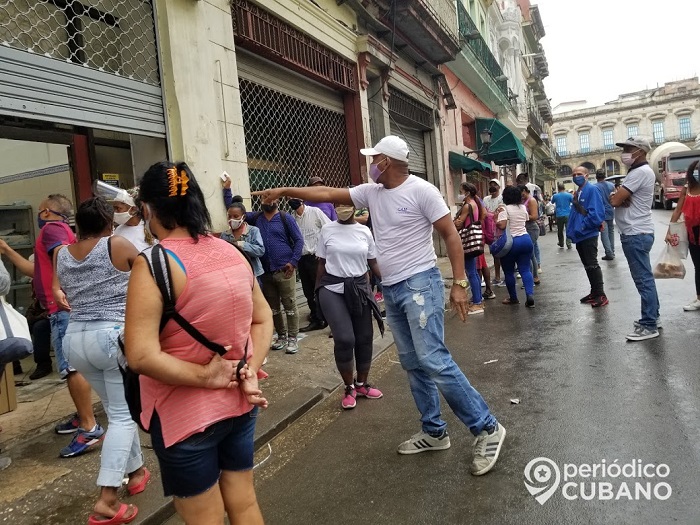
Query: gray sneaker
x=292, y=345
x=279, y=344
x=424, y=442
x=642, y=334
x=487, y=447
x=659, y=326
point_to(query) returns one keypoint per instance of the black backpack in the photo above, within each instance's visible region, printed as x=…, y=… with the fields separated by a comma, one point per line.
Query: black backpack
x=157, y=260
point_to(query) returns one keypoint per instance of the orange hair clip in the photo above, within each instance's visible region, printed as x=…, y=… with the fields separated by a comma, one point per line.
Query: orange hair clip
x=175, y=180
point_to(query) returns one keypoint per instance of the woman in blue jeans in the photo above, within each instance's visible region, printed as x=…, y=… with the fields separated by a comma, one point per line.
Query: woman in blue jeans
x=514, y=216
x=471, y=212
x=90, y=281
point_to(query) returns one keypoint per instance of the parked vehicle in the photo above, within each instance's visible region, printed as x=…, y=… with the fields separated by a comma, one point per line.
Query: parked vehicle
x=670, y=162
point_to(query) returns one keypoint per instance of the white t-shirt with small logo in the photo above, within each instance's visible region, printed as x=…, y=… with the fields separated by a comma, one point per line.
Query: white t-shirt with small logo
x=402, y=221
x=636, y=218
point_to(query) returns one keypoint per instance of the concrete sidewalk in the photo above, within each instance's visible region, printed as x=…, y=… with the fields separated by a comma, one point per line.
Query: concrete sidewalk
x=40, y=487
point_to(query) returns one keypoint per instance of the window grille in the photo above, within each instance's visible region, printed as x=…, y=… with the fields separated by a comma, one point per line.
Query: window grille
x=114, y=36
x=289, y=140
x=686, y=132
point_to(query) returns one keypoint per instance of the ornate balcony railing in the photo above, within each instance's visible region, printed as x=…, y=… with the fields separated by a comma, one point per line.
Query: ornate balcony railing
x=535, y=123
x=472, y=39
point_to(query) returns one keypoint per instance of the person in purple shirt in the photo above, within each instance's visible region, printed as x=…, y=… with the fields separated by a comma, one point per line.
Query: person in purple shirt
x=283, y=248
x=326, y=207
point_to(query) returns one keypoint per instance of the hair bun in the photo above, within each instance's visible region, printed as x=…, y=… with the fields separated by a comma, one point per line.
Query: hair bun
x=236, y=198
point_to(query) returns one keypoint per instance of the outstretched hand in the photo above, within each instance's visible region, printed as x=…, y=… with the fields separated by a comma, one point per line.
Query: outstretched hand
x=270, y=195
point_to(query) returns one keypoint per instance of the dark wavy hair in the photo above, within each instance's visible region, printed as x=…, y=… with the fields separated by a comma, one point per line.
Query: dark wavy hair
x=94, y=216
x=185, y=211
x=237, y=203
x=512, y=195
x=470, y=188
x=689, y=175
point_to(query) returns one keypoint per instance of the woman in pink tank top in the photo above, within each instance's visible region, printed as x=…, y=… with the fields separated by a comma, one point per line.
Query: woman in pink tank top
x=199, y=410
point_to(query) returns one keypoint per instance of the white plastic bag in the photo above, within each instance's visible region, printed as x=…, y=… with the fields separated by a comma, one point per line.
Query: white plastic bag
x=669, y=264
x=679, y=238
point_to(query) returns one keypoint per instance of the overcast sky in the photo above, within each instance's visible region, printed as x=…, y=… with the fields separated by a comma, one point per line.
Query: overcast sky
x=598, y=49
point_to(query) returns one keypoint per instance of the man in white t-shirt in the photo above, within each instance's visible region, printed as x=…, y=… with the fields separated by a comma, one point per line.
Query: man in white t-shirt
x=633, y=202
x=405, y=209
x=129, y=222
x=491, y=202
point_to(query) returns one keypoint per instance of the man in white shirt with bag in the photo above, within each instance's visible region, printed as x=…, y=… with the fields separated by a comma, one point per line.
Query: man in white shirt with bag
x=405, y=209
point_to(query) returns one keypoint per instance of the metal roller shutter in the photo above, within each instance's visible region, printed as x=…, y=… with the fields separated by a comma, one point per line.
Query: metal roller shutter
x=86, y=63
x=417, y=163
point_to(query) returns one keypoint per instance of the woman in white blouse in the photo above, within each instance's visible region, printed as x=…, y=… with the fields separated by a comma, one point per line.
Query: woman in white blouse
x=514, y=216
x=345, y=249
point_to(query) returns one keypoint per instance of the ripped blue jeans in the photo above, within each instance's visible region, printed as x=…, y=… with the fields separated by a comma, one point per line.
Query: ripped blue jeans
x=91, y=348
x=415, y=310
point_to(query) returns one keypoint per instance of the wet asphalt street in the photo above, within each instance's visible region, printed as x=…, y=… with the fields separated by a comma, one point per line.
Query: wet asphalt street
x=586, y=397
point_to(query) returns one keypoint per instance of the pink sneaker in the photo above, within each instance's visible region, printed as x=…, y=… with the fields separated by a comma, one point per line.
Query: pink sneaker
x=368, y=391
x=349, y=398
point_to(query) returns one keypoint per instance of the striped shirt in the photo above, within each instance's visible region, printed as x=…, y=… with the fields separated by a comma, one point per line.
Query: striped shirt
x=218, y=301
x=310, y=223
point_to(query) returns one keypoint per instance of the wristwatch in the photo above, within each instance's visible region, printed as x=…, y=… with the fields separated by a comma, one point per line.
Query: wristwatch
x=463, y=283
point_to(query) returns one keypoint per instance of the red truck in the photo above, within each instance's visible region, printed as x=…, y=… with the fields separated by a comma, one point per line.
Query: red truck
x=670, y=162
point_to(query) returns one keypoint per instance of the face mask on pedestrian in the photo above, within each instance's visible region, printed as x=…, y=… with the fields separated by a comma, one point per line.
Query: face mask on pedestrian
x=579, y=180
x=147, y=221
x=122, y=217
x=344, y=213
x=294, y=204
x=235, y=223
x=43, y=222
x=493, y=189
x=375, y=171
x=269, y=208
x=696, y=175
x=627, y=159
x=460, y=198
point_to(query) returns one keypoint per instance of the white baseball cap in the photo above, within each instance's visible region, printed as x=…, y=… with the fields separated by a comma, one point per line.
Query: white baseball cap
x=495, y=181
x=391, y=146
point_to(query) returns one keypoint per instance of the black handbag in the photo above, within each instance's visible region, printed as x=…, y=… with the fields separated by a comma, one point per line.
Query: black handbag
x=157, y=261
x=472, y=237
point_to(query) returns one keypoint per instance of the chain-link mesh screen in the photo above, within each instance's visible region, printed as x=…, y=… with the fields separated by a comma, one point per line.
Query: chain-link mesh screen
x=288, y=140
x=115, y=36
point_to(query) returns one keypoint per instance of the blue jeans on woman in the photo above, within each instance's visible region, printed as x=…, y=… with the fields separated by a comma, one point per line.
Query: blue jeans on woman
x=474, y=279
x=91, y=348
x=415, y=310
x=637, y=249
x=521, y=254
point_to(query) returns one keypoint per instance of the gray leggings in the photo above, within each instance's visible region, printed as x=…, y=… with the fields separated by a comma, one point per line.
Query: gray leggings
x=352, y=336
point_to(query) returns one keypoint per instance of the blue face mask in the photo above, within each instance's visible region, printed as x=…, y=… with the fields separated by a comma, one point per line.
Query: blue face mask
x=43, y=222
x=579, y=180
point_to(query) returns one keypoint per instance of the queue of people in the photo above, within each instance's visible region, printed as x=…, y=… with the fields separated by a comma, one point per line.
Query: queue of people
x=100, y=289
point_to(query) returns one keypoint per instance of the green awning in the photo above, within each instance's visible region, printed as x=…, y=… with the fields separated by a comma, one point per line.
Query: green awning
x=505, y=147
x=462, y=162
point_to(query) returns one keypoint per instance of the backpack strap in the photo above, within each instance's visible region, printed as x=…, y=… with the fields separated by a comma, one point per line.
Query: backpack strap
x=287, y=231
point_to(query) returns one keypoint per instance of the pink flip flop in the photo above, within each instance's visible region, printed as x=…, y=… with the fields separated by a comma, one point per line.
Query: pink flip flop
x=137, y=489
x=118, y=519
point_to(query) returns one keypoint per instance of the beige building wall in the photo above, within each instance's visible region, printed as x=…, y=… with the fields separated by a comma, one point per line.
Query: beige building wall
x=200, y=84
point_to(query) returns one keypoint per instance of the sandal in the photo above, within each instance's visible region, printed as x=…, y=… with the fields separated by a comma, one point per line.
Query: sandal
x=139, y=488
x=509, y=300
x=118, y=519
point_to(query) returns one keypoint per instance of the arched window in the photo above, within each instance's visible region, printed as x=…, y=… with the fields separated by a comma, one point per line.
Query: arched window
x=612, y=167
x=565, y=171
x=590, y=166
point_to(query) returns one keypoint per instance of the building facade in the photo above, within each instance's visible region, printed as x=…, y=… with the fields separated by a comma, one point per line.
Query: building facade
x=587, y=136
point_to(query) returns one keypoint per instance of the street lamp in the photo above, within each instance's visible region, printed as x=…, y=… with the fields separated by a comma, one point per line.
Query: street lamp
x=485, y=135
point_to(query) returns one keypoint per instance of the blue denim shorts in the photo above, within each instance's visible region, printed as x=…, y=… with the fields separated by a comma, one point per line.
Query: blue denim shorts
x=193, y=466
